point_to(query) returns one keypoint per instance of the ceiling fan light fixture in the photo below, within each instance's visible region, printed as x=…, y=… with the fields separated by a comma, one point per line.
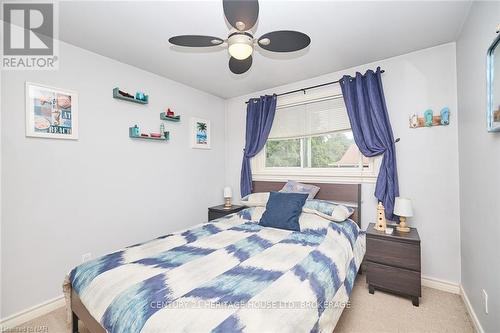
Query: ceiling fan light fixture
x=240, y=46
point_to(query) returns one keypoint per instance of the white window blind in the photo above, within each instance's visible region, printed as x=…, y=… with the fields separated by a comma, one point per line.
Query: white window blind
x=310, y=119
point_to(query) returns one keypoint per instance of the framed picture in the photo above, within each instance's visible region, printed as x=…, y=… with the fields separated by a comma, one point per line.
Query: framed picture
x=200, y=133
x=51, y=112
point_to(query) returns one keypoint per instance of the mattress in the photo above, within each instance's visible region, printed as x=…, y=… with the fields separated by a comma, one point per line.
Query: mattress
x=228, y=275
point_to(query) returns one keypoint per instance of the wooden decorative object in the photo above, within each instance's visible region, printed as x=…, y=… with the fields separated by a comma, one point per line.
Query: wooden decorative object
x=381, y=224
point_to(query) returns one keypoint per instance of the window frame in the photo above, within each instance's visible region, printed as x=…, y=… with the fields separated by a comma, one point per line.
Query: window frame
x=359, y=175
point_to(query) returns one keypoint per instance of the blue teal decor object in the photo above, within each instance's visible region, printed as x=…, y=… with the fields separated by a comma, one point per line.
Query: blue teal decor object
x=445, y=116
x=372, y=131
x=134, y=131
x=140, y=96
x=260, y=116
x=428, y=118
x=283, y=210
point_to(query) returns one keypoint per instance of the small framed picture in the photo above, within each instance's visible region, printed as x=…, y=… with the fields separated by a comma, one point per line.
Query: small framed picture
x=51, y=112
x=200, y=133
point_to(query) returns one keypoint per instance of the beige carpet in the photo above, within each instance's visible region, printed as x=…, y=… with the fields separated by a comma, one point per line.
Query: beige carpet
x=438, y=312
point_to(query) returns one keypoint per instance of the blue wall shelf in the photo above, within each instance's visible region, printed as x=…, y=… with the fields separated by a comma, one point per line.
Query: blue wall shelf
x=151, y=138
x=163, y=116
x=117, y=95
x=131, y=135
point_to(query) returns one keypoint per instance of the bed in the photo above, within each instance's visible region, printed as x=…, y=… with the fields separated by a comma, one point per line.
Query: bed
x=228, y=275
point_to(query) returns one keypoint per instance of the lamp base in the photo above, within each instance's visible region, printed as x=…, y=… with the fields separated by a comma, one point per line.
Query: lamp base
x=227, y=203
x=402, y=225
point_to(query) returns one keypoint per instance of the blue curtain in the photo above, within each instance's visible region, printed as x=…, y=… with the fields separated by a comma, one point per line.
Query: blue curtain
x=365, y=103
x=260, y=116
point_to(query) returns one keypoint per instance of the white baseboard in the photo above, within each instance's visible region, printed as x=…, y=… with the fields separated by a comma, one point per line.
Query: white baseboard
x=442, y=285
x=31, y=313
x=470, y=309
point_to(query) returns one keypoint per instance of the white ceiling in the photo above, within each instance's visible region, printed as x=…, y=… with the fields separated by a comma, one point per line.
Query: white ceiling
x=343, y=34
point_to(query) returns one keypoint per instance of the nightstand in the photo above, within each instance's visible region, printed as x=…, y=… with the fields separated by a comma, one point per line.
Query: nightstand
x=219, y=211
x=393, y=262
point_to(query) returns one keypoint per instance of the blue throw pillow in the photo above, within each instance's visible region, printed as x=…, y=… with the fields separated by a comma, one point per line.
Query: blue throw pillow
x=283, y=210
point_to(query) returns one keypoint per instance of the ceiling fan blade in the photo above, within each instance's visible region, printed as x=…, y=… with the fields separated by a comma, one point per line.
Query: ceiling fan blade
x=284, y=41
x=241, y=14
x=195, y=41
x=240, y=66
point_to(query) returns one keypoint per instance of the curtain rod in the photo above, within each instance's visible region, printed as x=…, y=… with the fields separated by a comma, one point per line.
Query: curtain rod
x=311, y=87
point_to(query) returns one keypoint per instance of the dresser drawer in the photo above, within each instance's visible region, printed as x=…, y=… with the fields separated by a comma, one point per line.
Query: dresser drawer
x=398, y=280
x=399, y=254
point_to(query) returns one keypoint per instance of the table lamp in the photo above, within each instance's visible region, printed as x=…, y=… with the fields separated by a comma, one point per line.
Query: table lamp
x=403, y=209
x=228, y=194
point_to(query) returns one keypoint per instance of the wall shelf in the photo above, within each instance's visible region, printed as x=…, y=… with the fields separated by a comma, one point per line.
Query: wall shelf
x=151, y=138
x=117, y=95
x=133, y=131
x=176, y=119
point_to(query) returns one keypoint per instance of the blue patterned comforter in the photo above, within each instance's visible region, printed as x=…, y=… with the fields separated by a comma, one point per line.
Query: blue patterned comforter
x=229, y=275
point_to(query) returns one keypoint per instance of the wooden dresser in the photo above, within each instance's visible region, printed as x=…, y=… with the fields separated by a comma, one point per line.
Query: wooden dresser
x=393, y=262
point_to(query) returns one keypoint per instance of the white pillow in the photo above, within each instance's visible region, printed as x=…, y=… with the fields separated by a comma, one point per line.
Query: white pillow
x=340, y=213
x=331, y=210
x=255, y=199
x=310, y=221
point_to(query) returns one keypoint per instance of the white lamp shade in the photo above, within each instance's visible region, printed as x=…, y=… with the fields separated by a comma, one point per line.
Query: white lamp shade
x=402, y=207
x=227, y=192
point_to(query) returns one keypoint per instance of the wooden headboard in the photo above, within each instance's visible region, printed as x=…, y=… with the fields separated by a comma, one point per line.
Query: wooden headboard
x=343, y=193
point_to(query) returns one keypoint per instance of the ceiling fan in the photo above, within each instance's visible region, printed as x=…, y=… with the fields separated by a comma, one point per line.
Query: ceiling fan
x=242, y=15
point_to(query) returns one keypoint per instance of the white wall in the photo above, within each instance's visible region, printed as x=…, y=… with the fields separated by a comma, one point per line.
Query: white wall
x=62, y=199
x=479, y=167
x=427, y=157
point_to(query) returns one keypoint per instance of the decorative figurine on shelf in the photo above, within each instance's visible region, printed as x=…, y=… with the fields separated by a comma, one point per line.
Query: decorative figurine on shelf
x=445, y=116
x=414, y=120
x=428, y=118
x=125, y=94
x=381, y=224
x=141, y=96
x=134, y=131
x=170, y=113
x=228, y=194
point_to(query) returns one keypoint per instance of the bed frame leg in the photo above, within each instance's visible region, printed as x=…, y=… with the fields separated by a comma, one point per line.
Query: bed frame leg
x=74, y=325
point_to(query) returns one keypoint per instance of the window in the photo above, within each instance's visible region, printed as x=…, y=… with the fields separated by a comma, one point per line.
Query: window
x=312, y=138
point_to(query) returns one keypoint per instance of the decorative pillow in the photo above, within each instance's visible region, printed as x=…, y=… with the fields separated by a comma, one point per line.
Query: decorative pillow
x=252, y=213
x=328, y=209
x=283, y=211
x=295, y=187
x=313, y=222
x=255, y=199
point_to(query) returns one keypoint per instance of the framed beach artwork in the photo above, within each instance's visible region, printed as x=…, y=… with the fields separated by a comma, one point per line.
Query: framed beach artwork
x=200, y=133
x=51, y=112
